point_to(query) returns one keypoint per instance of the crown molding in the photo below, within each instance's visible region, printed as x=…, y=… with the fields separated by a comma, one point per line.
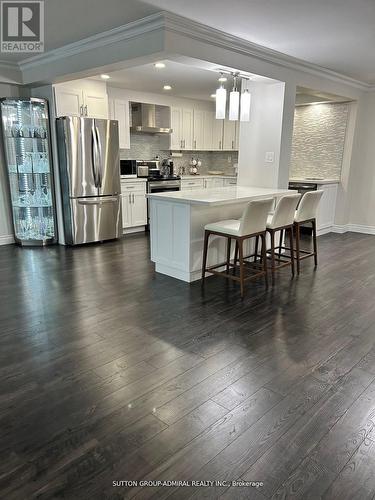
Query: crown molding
x=11, y=73
x=181, y=25
x=125, y=32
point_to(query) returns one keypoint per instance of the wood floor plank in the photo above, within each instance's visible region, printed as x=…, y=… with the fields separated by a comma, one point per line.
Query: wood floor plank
x=275, y=466
x=95, y=347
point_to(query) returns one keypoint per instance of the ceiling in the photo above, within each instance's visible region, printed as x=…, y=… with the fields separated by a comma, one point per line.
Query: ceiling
x=68, y=21
x=336, y=34
x=186, y=81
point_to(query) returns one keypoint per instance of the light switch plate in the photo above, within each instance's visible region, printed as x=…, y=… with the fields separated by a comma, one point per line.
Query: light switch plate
x=270, y=157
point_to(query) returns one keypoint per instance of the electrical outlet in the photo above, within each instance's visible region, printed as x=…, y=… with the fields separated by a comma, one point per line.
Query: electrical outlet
x=270, y=157
x=229, y=159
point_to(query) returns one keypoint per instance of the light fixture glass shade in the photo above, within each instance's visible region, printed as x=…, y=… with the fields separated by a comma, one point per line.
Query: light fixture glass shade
x=234, y=103
x=245, y=106
x=221, y=101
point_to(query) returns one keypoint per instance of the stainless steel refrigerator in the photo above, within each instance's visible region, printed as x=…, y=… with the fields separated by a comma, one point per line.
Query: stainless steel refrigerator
x=89, y=166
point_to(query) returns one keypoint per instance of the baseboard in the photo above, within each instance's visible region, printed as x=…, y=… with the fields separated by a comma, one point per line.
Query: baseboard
x=137, y=229
x=7, y=239
x=353, y=228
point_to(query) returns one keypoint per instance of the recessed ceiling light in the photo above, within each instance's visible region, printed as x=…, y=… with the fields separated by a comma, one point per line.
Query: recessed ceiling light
x=159, y=65
x=105, y=77
x=167, y=87
x=213, y=96
x=222, y=78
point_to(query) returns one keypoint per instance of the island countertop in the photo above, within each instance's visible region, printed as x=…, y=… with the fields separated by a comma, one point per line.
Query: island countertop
x=219, y=196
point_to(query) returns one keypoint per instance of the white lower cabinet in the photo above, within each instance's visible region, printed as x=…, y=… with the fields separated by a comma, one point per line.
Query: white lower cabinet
x=326, y=210
x=207, y=183
x=189, y=185
x=213, y=183
x=134, y=204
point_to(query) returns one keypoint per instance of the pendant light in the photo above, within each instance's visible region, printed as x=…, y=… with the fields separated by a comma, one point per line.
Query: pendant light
x=234, y=101
x=245, y=105
x=221, y=100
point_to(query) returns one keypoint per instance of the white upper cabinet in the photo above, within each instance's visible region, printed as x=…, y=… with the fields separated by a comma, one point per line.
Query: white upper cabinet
x=69, y=101
x=217, y=134
x=198, y=141
x=229, y=136
x=81, y=98
x=182, y=124
x=95, y=106
x=209, y=117
x=187, y=128
x=119, y=110
x=176, y=125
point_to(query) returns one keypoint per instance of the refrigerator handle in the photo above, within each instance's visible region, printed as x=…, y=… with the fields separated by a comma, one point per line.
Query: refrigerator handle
x=100, y=156
x=94, y=157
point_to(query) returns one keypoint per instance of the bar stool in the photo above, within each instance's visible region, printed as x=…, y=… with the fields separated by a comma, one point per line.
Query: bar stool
x=252, y=224
x=282, y=220
x=306, y=212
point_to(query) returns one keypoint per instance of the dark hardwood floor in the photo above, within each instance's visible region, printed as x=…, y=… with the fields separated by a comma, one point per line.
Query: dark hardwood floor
x=110, y=372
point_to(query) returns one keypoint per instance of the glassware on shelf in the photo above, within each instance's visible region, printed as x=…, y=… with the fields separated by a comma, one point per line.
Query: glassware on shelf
x=27, y=151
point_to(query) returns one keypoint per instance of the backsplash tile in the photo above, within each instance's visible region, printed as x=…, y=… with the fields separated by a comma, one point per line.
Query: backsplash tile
x=147, y=146
x=318, y=140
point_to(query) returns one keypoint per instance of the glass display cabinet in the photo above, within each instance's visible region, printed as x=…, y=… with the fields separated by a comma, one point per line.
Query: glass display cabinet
x=28, y=159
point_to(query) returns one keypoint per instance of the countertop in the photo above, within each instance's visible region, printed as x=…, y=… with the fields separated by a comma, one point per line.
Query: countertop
x=320, y=182
x=208, y=176
x=219, y=196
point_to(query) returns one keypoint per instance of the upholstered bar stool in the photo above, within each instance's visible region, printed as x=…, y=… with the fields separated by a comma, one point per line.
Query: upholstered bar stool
x=282, y=220
x=252, y=224
x=306, y=213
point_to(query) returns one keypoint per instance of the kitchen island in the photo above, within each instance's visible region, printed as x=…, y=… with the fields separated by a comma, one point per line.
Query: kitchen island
x=177, y=221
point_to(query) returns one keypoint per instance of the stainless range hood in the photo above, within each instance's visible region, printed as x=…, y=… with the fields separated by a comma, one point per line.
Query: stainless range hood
x=144, y=118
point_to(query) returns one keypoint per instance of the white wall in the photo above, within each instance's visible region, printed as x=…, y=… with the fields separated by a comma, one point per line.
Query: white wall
x=6, y=225
x=261, y=135
x=362, y=174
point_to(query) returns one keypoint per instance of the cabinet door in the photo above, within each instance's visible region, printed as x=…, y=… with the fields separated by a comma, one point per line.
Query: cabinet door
x=217, y=134
x=68, y=101
x=237, y=140
x=96, y=106
x=326, y=208
x=209, y=117
x=198, y=142
x=121, y=114
x=229, y=139
x=139, y=209
x=176, y=125
x=126, y=209
x=187, y=128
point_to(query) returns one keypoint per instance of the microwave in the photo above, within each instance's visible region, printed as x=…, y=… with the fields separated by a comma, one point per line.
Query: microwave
x=128, y=168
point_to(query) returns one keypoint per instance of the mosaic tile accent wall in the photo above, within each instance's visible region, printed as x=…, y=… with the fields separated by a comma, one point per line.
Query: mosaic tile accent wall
x=318, y=140
x=147, y=146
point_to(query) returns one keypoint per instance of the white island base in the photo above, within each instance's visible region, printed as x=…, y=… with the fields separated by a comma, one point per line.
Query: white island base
x=177, y=223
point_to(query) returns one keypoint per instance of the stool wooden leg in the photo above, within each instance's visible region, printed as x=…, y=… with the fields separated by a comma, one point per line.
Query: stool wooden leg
x=281, y=241
x=272, y=235
x=235, y=257
x=264, y=258
x=298, y=256
x=205, y=249
x=229, y=242
x=291, y=249
x=242, y=275
x=315, y=243
x=256, y=248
